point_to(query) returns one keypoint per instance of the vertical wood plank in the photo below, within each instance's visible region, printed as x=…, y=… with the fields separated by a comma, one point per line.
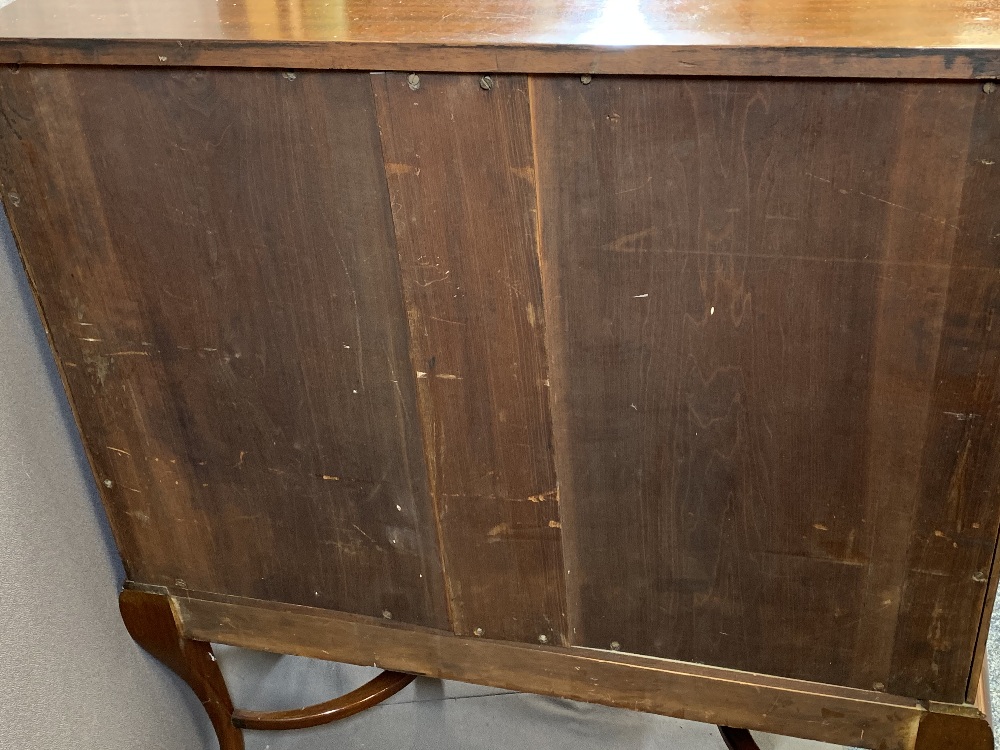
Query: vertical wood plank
x=213, y=252
x=912, y=288
x=744, y=286
x=954, y=535
x=460, y=169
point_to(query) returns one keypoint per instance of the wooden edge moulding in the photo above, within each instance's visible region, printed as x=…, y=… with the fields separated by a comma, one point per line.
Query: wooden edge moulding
x=177, y=628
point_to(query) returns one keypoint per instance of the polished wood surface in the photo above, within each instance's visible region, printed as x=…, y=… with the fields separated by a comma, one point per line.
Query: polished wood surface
x=903, y=38
x=839, y=23
x=843, y=716
x=378, y=689
x=152, y=621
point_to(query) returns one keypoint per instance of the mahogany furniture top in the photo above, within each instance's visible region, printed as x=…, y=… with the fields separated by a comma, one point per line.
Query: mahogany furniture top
x=841, y=38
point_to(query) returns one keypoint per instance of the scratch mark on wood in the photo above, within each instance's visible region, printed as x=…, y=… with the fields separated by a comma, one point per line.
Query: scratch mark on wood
x=921, y=214
x=361, y=531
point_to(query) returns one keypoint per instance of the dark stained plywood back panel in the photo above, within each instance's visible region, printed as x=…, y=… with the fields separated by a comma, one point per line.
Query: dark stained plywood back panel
x=214, y=256
x=952, y=547
x=461, y=177
x=700, y=369
x=756, y=338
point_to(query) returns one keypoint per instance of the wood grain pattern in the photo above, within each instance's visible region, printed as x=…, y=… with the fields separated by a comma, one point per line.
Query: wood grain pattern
x=744, y=297
x=152, y=621
x=799, y=23
x=851, y=38
x=981, y=698
x=686, y=368
x=461, y=177
x=907, y=330
x=843, y=716
x=953, y=538
x=213, y=253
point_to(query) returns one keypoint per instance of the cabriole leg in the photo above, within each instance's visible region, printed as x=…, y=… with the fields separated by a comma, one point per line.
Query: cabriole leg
x=150, y=621
x=947, y=727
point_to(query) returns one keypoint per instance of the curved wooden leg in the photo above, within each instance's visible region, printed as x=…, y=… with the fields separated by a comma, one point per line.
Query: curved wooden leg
x=385, y=685
x=737, y=739
x=150, y=621
x=943, y=727
x=946, y=727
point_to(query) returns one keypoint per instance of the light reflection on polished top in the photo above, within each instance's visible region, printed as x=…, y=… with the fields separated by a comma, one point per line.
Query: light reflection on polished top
x=907, y=25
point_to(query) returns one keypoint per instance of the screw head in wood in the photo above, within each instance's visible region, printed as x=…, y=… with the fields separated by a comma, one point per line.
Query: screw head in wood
x=108, y=483
x=386, y=614
x=477, y=632
x=543, y=638
x=616, y=646
x=989, y=87
x=486, y=83
x=413, y=81
x=288, y=75
x=585, y=80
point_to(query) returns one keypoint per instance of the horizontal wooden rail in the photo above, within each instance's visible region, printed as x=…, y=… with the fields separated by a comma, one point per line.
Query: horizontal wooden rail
x=683, y=60
x=847, y=716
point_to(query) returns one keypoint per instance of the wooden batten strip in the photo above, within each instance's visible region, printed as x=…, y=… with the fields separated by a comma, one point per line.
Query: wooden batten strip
x=687, y=691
